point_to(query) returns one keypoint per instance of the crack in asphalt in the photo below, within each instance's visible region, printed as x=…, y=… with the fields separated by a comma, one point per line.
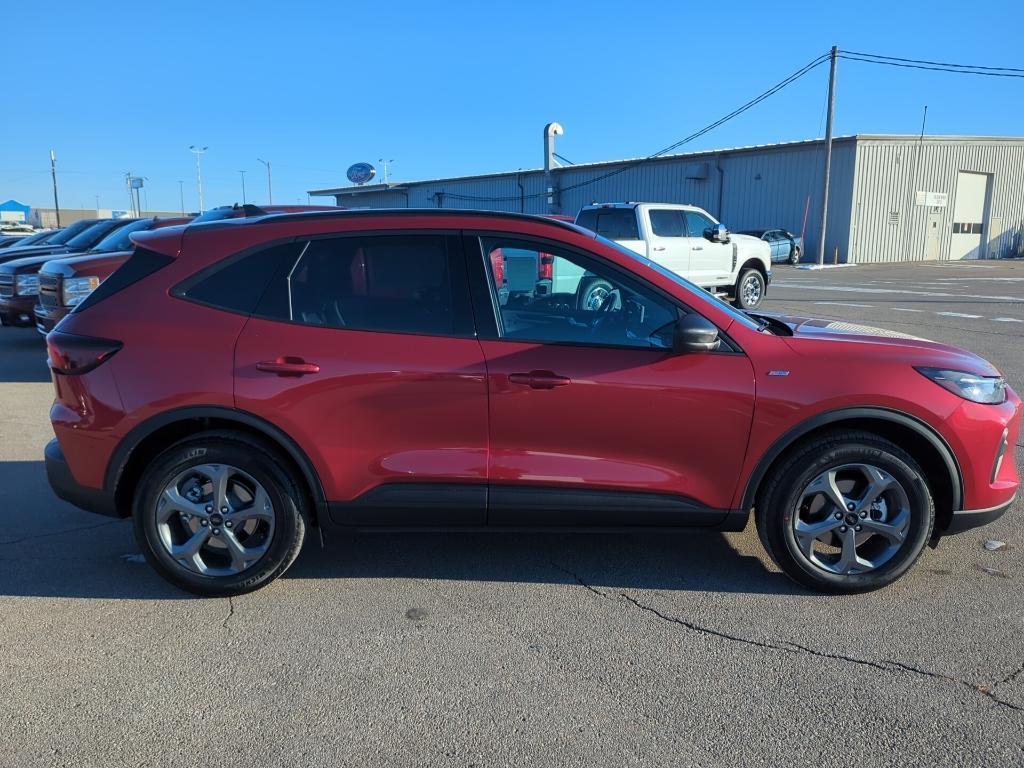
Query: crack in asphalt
x=48, y=534
x=231, y=612
x=1010, y=677
x=791, y=647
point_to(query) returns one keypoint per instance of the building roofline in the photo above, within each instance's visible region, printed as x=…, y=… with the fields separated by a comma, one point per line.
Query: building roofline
x=397, y=187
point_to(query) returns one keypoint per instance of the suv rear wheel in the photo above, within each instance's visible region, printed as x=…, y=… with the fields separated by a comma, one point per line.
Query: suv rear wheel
x=847, y=512
x=218, y=514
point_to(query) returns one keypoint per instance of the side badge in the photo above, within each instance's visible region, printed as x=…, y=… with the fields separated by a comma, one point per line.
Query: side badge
x=778, y=373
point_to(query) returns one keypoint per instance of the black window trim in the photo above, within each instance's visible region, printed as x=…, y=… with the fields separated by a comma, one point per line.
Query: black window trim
x=482, y=292
x=454, y=249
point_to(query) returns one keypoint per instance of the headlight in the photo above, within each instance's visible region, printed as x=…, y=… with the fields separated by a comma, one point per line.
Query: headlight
x=26, y=285
x=969, y=386
x=77, y=288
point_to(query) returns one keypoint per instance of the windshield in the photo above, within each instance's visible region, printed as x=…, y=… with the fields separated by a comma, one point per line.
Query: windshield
x=698, y=293
x=216, y=214
x=71, y=231
x=118, y=240
x=94, y=234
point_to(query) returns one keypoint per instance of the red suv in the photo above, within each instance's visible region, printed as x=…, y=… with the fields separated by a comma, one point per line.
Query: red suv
x=237, y=382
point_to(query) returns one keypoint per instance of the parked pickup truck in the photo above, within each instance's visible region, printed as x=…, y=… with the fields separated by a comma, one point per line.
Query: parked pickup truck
x=691, y=243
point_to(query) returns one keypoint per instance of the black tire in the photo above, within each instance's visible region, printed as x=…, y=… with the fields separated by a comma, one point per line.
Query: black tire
x=777, y=505
x=748, y=300
x=589, y=290
x=794, y=255
x=251, y=456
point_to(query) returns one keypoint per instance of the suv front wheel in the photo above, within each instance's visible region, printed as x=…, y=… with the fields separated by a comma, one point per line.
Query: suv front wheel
x=750, y=289
x=846, y=512
x=219, y=514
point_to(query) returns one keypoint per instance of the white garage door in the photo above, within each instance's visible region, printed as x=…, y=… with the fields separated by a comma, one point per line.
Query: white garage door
x=969, y=216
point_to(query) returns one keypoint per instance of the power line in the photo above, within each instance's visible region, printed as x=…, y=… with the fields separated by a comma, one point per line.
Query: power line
x=957, y=69
x=693, y=136
x=934, y=63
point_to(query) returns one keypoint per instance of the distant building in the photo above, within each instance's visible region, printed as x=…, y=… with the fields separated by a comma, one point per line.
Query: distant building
x=892, y=198
x=46, y=218
x=12, y=210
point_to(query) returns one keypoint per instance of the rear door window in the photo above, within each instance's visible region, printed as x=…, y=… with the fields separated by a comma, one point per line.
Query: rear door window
x=613, y=223
x=667, y=223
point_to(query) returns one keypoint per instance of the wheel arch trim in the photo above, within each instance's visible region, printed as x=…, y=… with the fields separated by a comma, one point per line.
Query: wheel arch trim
x=121, y=456
x=820, y=420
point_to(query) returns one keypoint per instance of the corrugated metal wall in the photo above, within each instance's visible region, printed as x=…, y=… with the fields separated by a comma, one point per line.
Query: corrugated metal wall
x=889, y=226
x=872, y=216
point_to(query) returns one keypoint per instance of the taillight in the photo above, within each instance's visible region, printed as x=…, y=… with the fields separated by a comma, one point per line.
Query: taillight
x=546, y=269
x=73, y=355
x=498, y=267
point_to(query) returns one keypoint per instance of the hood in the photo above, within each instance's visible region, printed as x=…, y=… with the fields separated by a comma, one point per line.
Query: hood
x=92, y=264
x=9, y=254
x=865, y=341
x=25, y=264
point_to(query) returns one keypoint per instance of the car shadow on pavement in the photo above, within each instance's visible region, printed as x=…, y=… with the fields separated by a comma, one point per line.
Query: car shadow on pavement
x=50, y=549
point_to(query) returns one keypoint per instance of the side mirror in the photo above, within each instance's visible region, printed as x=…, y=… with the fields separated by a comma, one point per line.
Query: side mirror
x=695, y=333
x=717, y=234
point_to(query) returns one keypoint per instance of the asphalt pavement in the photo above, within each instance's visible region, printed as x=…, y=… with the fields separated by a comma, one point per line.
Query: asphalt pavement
x=545, y=650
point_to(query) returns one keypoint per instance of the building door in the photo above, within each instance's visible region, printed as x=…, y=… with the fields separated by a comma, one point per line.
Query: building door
x=972, y=193
x=933, y=234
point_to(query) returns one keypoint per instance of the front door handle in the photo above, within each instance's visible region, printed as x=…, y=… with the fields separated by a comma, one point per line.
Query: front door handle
x=539, y=379
x=658, y=248
x=287, y=366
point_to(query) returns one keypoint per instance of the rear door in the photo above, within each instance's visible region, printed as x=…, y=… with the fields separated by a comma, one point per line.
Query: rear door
x=362, y=350
x=594, y=421
x=669, y=244
x=710, y=263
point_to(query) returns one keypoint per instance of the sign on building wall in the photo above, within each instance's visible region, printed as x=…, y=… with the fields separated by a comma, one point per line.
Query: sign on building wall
x=933, y=199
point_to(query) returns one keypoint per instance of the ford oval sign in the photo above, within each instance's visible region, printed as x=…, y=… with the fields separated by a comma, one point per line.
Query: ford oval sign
x=360, y=173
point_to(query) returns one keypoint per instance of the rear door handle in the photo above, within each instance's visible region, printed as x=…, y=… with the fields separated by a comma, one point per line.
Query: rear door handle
x=539, y=379
x=698, y=247
x=658, y=248
x=287, y=366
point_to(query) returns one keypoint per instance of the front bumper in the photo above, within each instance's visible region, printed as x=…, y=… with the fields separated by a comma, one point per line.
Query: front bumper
x=768, y=278
x=17, y=311
x=966, y=519
x=67, y=488
x=48, y=317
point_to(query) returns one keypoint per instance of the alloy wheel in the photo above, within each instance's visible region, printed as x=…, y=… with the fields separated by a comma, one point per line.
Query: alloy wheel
x=851, y=519
x=215, y=520
x=751, y=291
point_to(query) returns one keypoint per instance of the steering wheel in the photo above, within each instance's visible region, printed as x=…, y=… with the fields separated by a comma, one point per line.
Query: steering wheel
x=604, y=315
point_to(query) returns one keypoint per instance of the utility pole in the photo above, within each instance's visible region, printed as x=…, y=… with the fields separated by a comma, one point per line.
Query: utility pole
x=828, y=151
x=199, y=175
x=181, y=193
x=53, y=173
x=270, y=189
x=243, y=186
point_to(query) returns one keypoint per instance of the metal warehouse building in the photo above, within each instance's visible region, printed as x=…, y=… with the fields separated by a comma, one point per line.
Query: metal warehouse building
x=891, y=198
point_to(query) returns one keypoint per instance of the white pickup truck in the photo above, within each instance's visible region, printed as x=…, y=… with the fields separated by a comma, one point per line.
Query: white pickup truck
x=688, y=241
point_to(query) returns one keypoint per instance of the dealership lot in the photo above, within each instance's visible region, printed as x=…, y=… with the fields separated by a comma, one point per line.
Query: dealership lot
x=520, y=649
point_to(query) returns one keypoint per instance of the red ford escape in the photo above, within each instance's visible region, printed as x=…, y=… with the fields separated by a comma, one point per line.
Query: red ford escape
x=237, y=382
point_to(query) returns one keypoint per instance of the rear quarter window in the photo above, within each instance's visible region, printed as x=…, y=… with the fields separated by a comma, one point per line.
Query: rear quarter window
x=238, y=282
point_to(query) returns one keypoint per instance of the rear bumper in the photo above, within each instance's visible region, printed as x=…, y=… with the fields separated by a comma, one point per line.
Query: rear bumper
x=67, y=488
x=966, y=519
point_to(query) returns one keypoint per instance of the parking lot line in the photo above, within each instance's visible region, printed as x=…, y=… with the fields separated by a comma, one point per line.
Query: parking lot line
x=958, y=314
x=905, y=309
x=845, y=304
x=1007, y=320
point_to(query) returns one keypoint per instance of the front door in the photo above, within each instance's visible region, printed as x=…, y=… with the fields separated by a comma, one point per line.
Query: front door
x=362, y=350
x=710, y=262
x=593, y=419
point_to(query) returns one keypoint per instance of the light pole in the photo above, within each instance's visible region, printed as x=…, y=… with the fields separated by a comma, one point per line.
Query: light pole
x=384, y=166
x=199, y=174
x=243, y=186
x=181, y=193
x=270, y=189
x=53, y=172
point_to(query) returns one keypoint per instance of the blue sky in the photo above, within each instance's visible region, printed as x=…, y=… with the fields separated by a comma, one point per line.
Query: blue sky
x=448, y=88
